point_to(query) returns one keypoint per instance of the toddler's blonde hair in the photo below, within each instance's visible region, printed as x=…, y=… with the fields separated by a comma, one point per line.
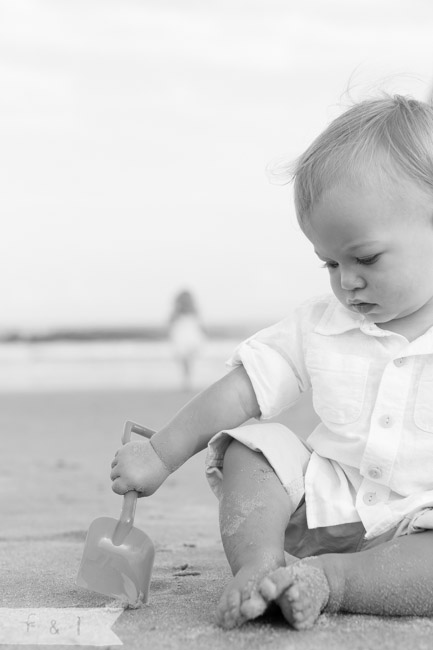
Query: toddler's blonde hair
x=392, y=135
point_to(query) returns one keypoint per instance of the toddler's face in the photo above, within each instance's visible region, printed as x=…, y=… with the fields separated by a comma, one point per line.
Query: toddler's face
x=377, y=243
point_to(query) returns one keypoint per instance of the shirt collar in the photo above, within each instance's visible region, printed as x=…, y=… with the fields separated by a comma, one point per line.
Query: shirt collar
x=337, y=319
x=423, y=344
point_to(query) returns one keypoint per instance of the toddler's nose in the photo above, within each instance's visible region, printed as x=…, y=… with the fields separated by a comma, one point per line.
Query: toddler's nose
x=350, y=280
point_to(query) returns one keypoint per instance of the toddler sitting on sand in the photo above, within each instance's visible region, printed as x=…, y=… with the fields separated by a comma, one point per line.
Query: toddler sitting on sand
x=343, y=522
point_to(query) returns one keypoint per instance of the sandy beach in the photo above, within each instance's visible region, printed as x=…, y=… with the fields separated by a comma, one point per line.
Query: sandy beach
x=56, y=452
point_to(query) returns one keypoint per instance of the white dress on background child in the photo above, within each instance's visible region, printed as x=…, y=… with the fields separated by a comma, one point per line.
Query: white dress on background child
x=186, y=336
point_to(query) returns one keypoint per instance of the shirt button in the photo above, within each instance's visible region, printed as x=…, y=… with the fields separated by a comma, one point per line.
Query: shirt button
x=399, y=362
x=386, y=421
x=370, y=498
x=375, y=472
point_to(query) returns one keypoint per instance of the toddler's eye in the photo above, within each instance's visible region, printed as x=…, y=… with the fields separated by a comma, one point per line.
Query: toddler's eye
x=371, y=259
x=330, y=265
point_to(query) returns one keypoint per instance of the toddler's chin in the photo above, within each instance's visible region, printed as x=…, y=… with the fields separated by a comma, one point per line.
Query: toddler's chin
x=382, y=318
x=373, y=314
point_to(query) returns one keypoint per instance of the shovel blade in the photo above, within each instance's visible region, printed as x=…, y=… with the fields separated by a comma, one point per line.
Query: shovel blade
x=122, y=571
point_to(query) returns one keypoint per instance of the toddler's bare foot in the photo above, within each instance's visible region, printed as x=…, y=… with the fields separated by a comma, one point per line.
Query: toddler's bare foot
x=241, y=600
x=301, y=590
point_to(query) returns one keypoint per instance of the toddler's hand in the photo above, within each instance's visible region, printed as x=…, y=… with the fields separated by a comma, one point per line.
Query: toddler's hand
x=138, y=467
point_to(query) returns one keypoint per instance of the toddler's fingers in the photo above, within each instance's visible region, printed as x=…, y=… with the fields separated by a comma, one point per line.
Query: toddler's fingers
x=119, y=487
x=114, y=473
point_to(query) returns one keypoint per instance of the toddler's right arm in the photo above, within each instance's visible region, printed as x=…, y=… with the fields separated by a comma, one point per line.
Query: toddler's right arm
x=144, y=465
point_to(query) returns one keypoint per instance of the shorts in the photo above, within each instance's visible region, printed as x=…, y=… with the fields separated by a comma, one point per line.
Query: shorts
x=289, y=456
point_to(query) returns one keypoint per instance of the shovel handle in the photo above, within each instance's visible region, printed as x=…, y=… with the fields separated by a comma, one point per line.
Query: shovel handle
x=126, y=520
x=133, y=427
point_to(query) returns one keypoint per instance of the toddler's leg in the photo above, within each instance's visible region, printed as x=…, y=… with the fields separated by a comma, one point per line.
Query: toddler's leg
x=392, y=579
x=254, y=513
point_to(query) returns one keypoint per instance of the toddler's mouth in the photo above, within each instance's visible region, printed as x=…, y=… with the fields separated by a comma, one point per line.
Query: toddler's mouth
x=362, y=307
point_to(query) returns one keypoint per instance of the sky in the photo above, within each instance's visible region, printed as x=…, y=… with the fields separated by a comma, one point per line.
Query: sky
x=135, y=137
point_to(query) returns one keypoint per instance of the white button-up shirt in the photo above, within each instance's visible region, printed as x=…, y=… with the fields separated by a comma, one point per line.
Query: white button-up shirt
x=372, y=453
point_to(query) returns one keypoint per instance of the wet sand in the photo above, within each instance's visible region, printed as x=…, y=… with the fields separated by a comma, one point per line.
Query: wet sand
x=56, y=454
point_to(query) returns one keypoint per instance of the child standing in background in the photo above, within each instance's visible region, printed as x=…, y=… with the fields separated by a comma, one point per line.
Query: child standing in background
x=344, y=522
x=186, y=334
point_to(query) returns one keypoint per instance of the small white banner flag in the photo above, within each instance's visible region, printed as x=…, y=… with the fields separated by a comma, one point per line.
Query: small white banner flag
x=58, y=626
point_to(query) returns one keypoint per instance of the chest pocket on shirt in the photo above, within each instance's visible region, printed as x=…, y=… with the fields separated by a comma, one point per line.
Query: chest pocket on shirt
x=338, y=382
x=423, y=411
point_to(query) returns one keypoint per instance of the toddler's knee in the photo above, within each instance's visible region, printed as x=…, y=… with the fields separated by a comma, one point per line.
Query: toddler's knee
x=238, y=453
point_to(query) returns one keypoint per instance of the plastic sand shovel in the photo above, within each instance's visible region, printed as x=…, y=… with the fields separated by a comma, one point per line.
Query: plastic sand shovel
x=118, y=558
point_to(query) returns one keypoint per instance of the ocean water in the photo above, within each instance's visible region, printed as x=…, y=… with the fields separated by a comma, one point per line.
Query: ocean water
x=126, y=364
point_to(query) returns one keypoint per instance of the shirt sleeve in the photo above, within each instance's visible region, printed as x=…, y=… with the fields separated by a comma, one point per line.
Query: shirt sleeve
x=274, y=361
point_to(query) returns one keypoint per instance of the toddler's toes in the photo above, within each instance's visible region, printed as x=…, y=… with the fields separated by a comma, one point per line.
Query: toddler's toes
x=301, y=592
x=253, y=606
x=296, y=607
x=228, y=612
x=273, y=585
x=241, y=600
